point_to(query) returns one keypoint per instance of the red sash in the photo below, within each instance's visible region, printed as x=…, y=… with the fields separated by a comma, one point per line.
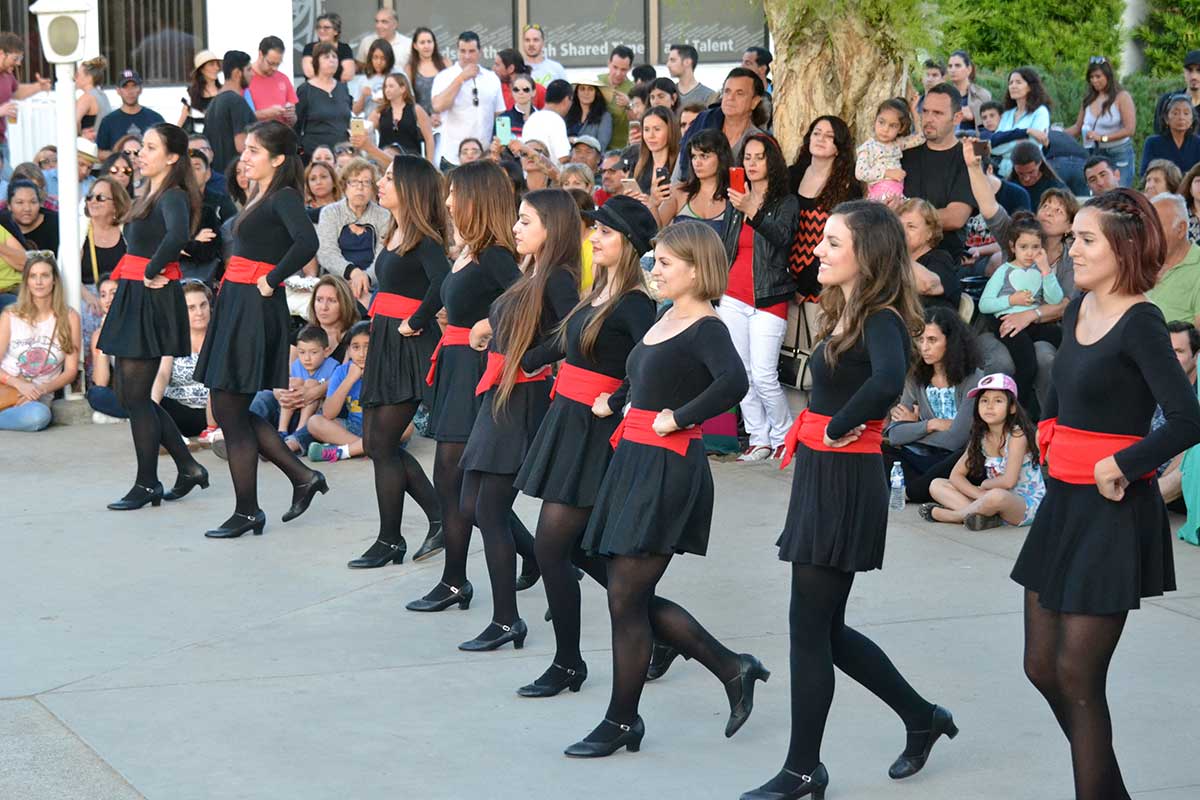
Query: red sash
x=243, y=270
x=133, y=268
x=452, y=336
x=1076, y=452
x=495, y=366
x=582, y=385
x=396, y=306
x=809, y=428
x=637, y=426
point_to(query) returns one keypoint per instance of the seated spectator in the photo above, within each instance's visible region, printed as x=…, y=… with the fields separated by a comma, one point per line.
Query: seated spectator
x=12, y=260
x=311, y=370
x=120, y=168
x=522, y=88
x=39, y=225
x=40, y=343
x=934, y=171
x=100, y=394
x=329, y=33
x=1026, y=106
x=1190, y=89
x=321, y=188
x=175, y=388
x=32, y=173
x=588, y=114
x=238, y=183
x=664, y=94
x=323, y=113
x=983, y=251
x=657, y=155
x=402, y=124
x=351, y=231
x=1177, y=292
x=577, y=176
x=1179, y=144
x=877, y=160
x=936, y=275
x=1066, y=157
x=1185, y=341
x=929, y=427
x=323, y=154
x=998, y=480
x=1107, y=119
x=104, y=207
x=1102, y=175
x=705, y=197
x=336, y=433
x=1031, y=171
x=1161, y=176
x=687, y=114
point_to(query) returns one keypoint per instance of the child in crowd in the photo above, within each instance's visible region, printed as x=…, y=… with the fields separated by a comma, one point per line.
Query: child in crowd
x=343, y=435
x=1028, y=281
x=989, y=118
x=878, y=159
x=311, y=366
x=997, y=480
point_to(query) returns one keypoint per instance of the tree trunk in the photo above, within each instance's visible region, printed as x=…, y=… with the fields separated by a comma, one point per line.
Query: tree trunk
x=834, y=66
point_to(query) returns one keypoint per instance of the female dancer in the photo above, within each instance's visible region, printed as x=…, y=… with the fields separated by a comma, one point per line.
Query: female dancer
x=148, y=318
x=837, y=516
x=480, y=202
x=247, y=345
x=569, y=455
x=516, y=391
x=1101, y=539
x=410, y=270
x=656, y=498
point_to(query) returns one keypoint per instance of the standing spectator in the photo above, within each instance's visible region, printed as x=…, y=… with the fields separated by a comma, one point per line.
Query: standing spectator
x=1190, y=88
x=1161, y=176
x=352, y=230
x=1179, y=143
x=735, y=117
x=1177, y=291
x=1189, y=190
x=323, y=113
x=1107, y=118
x=508, y=66
x=688, y=114
x=1102, y=175
x=386, y=28
x=543, y=69
x=522, y=88
x=366, y=89
x=201, y=256
x=202, y=89
x=92, y=105
x=586, y=150
x=424, y=63
x=934, y=72
x=705, y=197
x=681, y=64
x=549, y=126
x=228, y=114
x=935, y=170
x=758, y=59
x=588, y=115
x=657, y=155
x=401, y=123
x=1031, y=171
x=12, y=53
x=664, y=93
x=130, y=119
x=271, y=91
x=616, y=86
x=1026, y=107
x=329, y=31
x=468, y=99
x=960, y=73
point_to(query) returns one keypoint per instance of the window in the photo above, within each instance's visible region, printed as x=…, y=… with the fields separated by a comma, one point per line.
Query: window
x=582, y=37
x=15, y=17
x=158, y=38
x=719, y=29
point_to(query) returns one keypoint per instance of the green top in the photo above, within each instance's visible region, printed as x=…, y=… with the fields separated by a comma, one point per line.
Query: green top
x=1177, y=294
x=10, y=277
x=620, y=121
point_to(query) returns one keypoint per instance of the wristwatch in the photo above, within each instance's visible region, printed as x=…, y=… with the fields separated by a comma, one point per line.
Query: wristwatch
x=1038, y=311
x=1104, y=139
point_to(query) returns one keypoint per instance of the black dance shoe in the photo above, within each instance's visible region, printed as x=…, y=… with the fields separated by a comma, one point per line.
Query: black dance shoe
x=435, y=542
x=496, y=635
x=554, y=680
x=435, y=601
x=238, y=524
x=788, y=785
x=302, y=495
x=661, y=656
x=908, y=765
x=139, y=496
x=186, y=482
x=740, y=689
x=530, y=573
x=608, y=738
x=380, y=554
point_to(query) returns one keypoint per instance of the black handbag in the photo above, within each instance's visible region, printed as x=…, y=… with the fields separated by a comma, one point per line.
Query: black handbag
x=797, y=347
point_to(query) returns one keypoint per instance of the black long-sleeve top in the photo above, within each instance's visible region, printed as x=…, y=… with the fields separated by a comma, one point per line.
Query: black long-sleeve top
x=469, y=292
x=562, y=295
x=417, y=274
x=162, y=233
x=867, y=379
x=1113, y=385
x=277, y=231
x=697, y=373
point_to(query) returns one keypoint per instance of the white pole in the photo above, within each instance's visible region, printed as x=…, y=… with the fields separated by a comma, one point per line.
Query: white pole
x=68, y=184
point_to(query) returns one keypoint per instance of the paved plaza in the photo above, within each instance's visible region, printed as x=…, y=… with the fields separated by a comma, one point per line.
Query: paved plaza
x=141, y=660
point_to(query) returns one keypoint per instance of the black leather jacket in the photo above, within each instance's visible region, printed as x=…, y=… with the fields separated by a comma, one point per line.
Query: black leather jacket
x=775, y=227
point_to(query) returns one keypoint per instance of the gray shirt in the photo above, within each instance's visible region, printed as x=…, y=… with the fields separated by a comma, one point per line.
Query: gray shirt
x=701, y=95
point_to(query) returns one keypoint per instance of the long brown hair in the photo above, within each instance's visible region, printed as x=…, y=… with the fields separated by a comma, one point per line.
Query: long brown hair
x=885, y=280
x=484, y=206
x=179, y=174
x=414, y=57
x=841, y=184
x=645, y=157
x=347, y=308
x=25, y=308
x=1016, y=419
x=422, y=196
x=627, y=276
x=525, y=300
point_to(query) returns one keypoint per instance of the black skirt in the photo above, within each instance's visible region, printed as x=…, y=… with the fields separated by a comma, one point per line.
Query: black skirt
x=146, y=323
x=1088, y=555
x=455, y=404
x=246, y=349
x=652, y=500
x=498, y=443
x=569, y=456
x=837, y=515
x=397, y=365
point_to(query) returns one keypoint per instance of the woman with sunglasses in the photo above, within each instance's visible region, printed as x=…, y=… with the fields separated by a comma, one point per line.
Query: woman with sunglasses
x=105, y=206
x=148, y=318
x=523, y=93
x=120, y=168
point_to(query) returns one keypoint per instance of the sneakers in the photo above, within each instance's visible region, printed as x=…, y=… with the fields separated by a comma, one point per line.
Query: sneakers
x=207, y=435
x=755, y=453
x=779, y=453
x=324, y=452
x=105, y=419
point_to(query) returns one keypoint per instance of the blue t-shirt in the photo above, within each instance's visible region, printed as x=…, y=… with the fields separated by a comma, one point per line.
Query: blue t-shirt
x=353, y=405
x=323, y=372
x=117, y=123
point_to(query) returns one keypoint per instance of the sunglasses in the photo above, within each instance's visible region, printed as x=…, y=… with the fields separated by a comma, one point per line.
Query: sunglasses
x=342, y=150
x=474, y=95
x=46, y=163
x=522, y=89
x=98, y=198
x=120, y=171
x=533, y=27
x=1097, y=60
x=39, y=255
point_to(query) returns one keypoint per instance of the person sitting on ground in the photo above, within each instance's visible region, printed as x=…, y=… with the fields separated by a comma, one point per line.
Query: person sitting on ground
x=1031, y=171
x=929, y=427
x=336, y=433
x=39, y=225
x=310, y=367
x=1185, y=341
x=1177, y=291
x=351, y=230
x=100, y=394
x=936, y=275
x=877, y=160
x=1161, y=176
x=175, y=387
x=40, y=343
x=1179, y=143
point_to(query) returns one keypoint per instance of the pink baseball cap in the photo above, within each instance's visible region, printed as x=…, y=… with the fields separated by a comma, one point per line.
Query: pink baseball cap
x=998, y=381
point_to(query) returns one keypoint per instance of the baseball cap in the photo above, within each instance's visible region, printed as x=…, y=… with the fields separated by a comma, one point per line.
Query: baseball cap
x=1192, y=59
x=998, y=381
x=129, y=76
x=590, y=141
x=628, y=217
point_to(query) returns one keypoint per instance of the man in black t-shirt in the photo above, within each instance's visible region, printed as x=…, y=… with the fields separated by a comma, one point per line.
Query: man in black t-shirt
x=935, y=171
x=228, y=114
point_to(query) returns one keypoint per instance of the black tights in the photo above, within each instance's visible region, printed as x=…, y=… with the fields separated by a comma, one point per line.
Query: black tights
x=247, y=435
x=1067, y=658
x=559, y=530
x=397, y=472
x=150, y=425
x=487, y=500
x=820, y=640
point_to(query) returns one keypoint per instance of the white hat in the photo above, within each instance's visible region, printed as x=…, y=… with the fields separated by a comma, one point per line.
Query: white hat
x=87, y=149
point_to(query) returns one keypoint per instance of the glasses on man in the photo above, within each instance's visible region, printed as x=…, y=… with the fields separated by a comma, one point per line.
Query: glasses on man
x=98, y=198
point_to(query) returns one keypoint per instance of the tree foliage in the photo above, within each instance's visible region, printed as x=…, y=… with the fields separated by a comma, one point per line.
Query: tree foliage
x=1171, y=28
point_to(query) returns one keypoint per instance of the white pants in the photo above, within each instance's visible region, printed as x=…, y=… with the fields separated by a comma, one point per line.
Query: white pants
x=757, y=336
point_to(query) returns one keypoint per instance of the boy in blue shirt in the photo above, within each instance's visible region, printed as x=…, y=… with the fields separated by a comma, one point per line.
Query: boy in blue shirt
x=311, y=366
x=343, y=435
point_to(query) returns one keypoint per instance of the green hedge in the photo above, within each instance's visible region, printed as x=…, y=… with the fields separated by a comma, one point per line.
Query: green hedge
x=1171, y=28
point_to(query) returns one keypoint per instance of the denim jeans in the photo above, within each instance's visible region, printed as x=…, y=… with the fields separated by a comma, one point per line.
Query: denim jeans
x=27, y=417
x=104, y=400
x=266, y=406
x=7, y=300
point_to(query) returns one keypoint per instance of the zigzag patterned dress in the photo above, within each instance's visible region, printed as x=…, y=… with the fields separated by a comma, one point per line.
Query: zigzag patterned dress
x=801, y=260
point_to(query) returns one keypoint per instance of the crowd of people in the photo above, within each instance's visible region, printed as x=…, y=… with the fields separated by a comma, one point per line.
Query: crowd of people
x=567, y=285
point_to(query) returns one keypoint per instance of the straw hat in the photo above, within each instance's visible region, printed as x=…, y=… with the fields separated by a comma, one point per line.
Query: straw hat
x=203, y=57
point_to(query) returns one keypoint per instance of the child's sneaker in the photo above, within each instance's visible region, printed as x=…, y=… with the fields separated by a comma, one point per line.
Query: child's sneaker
x=324, y=452
x=206, y=436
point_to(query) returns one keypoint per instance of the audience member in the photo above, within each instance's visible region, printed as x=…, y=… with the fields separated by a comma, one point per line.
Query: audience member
x=1190, y=89
x=522, y=106
x=1178, y=143
x=1177, y=292
x=130, y=118
x=228, y=114
x=586, y=150
x=758, y=59
x=548, y=125
x=1185, y=341
x=508, y=66
x=321, y=187
x=175, y=388
x=1026, y=107
x=387, y=26
x=401, y=122
x=1107, y=119
x=588, y=115
x=105, y=206
x=469, y=150
x=1032, y=172
x=877, y=160
x=311, y=369
x=424, y=63
x=12, y=53
x=960, y=73
x=543, y=69
x=664, y=93
x=741, y=95
x=351, y=230
x=366, y=89
x=329, y=32
x=644, y=73
x=578, y=176
x=100, y=394
x=935, y=273
x=203, y=88
x=705, y=196
x=613, y=169
x=468, y=99
x=38, y=224
x=657, y=155
x=323, y=112
x=1189, y=190
x=934, y=171
x=682, y=61
x=271, y=92
x=1102, y=175
x=92, y=106
x=1161, y=175
x=336, y=433
x=687, y=116
x=616, y=84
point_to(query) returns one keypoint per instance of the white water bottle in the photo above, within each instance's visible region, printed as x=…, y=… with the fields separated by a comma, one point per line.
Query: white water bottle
x=896, y=500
